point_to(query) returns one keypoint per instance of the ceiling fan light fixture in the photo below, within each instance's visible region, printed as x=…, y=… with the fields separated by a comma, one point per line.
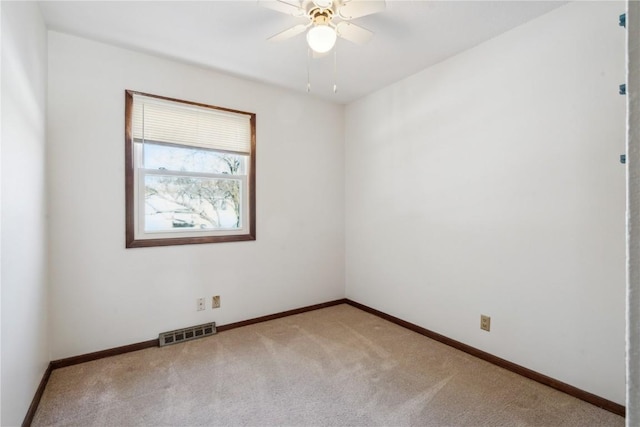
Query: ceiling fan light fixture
x=321, y=38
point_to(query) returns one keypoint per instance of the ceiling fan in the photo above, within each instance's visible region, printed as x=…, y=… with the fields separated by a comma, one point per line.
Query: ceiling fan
x=328, y=19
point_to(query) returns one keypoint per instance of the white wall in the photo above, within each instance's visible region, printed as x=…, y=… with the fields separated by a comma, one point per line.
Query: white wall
x=23, y=242
x=104, y=295
x=490, y=183
x=633, y=183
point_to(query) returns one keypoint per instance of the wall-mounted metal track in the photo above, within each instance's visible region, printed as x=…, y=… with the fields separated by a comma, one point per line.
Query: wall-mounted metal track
x=622, y=90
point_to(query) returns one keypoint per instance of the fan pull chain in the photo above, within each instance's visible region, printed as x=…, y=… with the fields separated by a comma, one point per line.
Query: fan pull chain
x=335, y=68
x=308, y=73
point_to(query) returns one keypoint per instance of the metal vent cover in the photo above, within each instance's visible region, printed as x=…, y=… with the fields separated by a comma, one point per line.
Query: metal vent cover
x=187, y=334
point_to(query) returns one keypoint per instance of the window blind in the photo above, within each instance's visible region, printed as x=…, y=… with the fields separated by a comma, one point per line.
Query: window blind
x=172, y=122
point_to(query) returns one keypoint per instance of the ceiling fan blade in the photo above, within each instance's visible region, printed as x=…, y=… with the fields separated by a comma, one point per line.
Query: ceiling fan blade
x=357, y=8
x=289, y=7
x=352, y=32
x=287, y=34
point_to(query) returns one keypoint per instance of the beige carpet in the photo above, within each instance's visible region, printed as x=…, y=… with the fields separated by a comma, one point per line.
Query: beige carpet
x=337, y=366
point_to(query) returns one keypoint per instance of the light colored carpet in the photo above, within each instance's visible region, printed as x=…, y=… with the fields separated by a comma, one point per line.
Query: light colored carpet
x=337, y=366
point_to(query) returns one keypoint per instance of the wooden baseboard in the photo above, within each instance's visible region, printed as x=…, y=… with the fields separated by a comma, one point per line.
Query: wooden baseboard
x=31, y=412
x=510, y=366
x=287, y=313
x=75, y=360
x=69, y=361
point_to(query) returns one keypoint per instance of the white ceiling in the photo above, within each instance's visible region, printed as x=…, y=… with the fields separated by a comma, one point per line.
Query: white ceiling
x=230, y=36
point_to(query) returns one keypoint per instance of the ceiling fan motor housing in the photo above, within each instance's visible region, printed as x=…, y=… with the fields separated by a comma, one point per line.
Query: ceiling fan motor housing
x=321, y=16
x=318, y=6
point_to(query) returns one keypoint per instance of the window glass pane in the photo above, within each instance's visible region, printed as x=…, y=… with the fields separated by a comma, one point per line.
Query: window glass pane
x=175, y=203
x=159, y=156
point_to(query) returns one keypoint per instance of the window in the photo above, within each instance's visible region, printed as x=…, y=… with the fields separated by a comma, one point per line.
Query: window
x=190, y=172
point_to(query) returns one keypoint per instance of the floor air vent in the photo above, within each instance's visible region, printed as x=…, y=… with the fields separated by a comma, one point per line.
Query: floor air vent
x=187, y=334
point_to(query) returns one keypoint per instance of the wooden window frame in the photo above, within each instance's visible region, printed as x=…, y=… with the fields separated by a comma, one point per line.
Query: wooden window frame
x=130, y=237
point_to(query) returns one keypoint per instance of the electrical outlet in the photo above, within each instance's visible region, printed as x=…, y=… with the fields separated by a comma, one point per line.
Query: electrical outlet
x=215, y=301
x=201, y=304
x=485, y=323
